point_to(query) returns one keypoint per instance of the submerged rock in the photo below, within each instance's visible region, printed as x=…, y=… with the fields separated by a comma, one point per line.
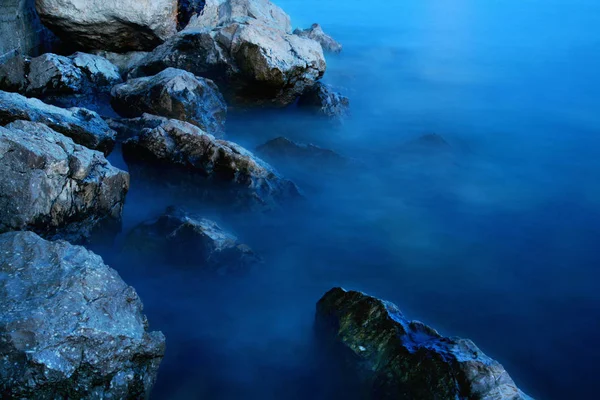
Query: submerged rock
x=247, y=48
x=315, y=32
x=243, y=177
x=52, y=186
x=322, y=100
x=178, y=238
x=401, y=359
x=85, y=127
x=70, y=327
x=284, y=148
x=115, y=26
x=173, y=93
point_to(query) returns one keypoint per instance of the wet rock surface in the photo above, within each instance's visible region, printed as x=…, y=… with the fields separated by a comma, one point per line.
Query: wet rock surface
x=323, y=100
x=52, y=186
x=401, y=359
x=85, y=127
x=315, y=32
x=173, y=93
x=115, y=26
x=183, y=239
x=236, y=172
x=247, y=49
x=70, y=327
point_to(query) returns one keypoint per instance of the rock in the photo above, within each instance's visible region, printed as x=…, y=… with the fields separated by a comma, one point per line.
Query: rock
x=246, y=48
x=315, y=32
x=173, y=93
x=123, y=61
x=83, y=126
x=12, y=74
x=401, y=359
x=284, y=148
x=426, y=143
x=178, y=238
x=113, y=26
x=70, y=327
x=54, y=187
x=241, y=176
x=322, y=100
x=53, y=74
x=186, y=9
x=98, y=70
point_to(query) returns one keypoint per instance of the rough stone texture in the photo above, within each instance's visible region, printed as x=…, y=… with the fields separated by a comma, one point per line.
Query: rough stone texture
x=54, y=187
x=172, y=143
x=322, y=100
x=83, y=126
x=186, y=9
x=70, y=327
x=402, y=359
x=123, y=61
x=315, y=32
x=247, y=49
x=98, y=70
x=284, y=148
x=113, y=25
x=12, y=74
x=173, y=93
x=53, y=74
x=179, y=238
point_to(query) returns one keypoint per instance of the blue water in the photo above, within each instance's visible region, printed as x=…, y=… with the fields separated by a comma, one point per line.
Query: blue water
x=496, y=241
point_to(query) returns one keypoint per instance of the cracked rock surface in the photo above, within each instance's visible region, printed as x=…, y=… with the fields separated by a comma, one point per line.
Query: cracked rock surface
x=70, y=327
x=52, y=186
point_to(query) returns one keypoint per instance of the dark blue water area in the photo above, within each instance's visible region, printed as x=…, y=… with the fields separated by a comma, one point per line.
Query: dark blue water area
x=495, y=239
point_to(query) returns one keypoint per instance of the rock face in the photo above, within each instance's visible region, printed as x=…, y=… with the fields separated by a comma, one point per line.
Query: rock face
x=98, y=70
x=83, y=126
x=179, y=238
x=177, y=144
x=402, y=359
x=284, y=148
x=12, y=74
x=186, y=9
x=110, y=25
x=322, y=100
x=315, y=32
x=173, y=93
x=52, y=186
x=247, y=48
x=70, y=327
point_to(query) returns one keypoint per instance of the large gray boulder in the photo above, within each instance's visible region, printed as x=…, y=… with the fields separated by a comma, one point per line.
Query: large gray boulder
x=70, y=327
x=315, y=32
x=52, y=186
x=176, y=94
x=401, y=359
x=247, y=48
x=246, y=179
x=85, y=127
x=183, y=239
x=323, y=100
x=52, y=74
x=119, y=26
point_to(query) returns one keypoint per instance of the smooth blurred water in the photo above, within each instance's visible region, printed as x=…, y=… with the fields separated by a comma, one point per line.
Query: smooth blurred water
x=496, y=241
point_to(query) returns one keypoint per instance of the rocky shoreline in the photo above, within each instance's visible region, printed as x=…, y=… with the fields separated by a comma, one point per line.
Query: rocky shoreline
x=167, y=74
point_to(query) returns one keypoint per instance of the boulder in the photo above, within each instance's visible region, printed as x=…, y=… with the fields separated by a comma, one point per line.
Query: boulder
x=401, y=359
x=99, y=71
x=118, y=26
x=186, y=9
x=182, y=239
x=176, y=94
x=53, y=74
x=70, y=327
x=85, y=127
x=315, y=32
x=54, y=187
x=322, y=100
x=231, y=169
x=247, y=49
x=124, y=62
x=12, y=74
x=284, y=148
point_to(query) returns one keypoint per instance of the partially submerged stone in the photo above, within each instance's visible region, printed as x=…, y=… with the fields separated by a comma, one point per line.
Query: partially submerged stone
x=70, y=327
x=284, y=148
x=173, y=93
x=52, y=186
x=401, y=359
x=316, y=33
x=85, y=127
x=322, y=100
x=180, y=238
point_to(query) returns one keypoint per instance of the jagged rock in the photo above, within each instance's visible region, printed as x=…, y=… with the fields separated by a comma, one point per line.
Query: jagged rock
x=179, y=238
x=53, y=74
x=322, y=100
x=284, y=148
x=401, y=359
x=123, y=61
x=186, y=9
x=54, y=187
x=315, y=32
x=70, y=327
x=12, y=74
x=173, y=93
x=98, y=70
x=243, y=177
x=247, y=49
x=114, y=26
x=83, y=126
